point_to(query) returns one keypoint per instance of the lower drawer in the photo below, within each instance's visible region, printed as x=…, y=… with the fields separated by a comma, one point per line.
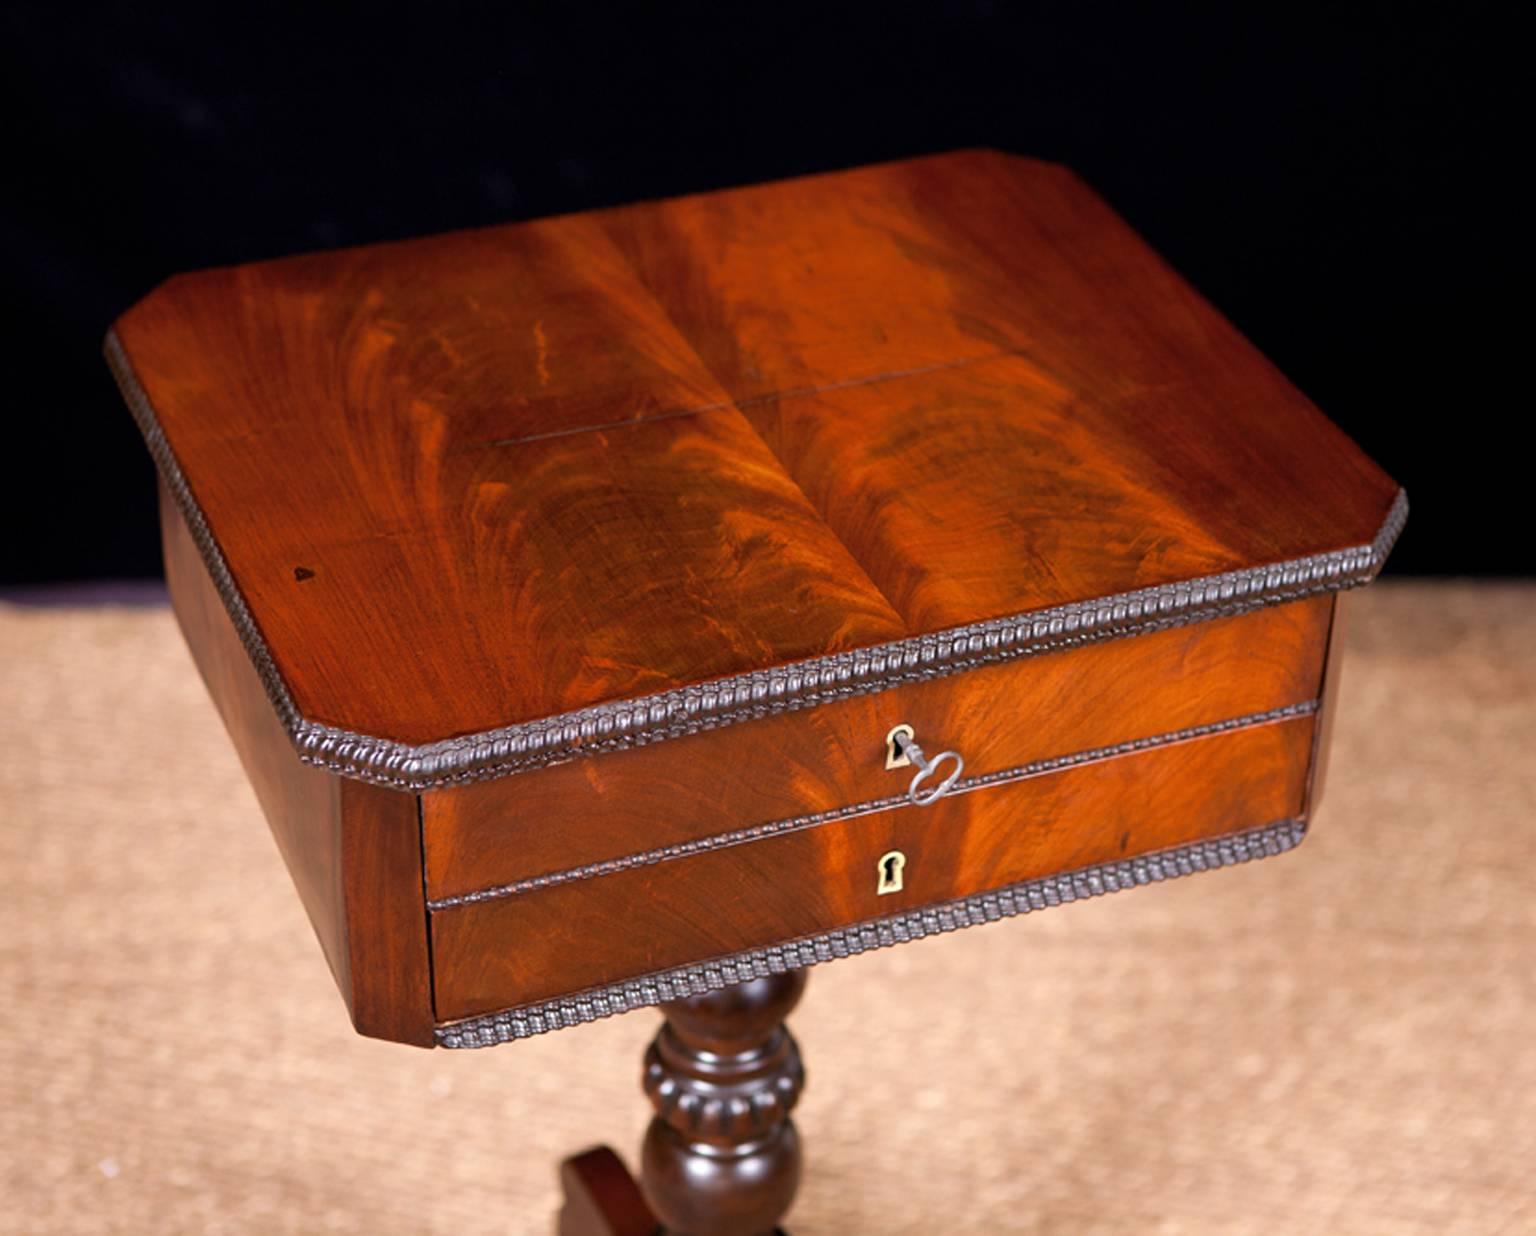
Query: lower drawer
x=587, y=930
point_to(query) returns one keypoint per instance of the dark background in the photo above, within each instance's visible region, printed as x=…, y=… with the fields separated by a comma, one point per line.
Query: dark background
x=1337, y=180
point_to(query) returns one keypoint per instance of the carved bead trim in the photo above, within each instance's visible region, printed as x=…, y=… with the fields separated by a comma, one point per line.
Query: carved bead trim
x=741, y=697
x=520, y=1023
x=699, y=845
x=742, y=1097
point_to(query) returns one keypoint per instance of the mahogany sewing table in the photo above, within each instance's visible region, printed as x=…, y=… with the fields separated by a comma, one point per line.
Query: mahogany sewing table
x=641, y=606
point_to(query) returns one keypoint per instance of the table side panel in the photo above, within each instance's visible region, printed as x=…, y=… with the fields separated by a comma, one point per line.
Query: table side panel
x=387, y=929
x=1328, y=701
x=514, y=950
x=352, y=849
x=998, y=717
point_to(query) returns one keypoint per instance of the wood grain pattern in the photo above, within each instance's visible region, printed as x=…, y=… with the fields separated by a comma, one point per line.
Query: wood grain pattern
x=475, y=479
x=353, y=850
x=890, y=445
x=995, y=454
x=390, y=996
x=496, y=954
x=999, y=717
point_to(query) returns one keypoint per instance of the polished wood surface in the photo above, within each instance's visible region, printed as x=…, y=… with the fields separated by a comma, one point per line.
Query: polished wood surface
x=722, y=1156
x=483, y=479
x=1328, y=703
x=601, y=1198
x=512, y=950
x=417, y=496
x=353, y=850
x=998, y=717
x=487, y=477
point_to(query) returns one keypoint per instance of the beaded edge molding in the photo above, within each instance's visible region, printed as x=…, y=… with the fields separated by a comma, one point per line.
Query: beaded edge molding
x=521, y=1023
x=740, y=697
x=797, y=823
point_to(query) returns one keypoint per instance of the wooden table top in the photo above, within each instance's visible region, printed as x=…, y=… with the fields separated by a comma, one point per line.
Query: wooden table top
x=484, y=497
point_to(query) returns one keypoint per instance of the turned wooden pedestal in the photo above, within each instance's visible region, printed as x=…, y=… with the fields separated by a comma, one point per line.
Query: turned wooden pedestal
x=722, y=1157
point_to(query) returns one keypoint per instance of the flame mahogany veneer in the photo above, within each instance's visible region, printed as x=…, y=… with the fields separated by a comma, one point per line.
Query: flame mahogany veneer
x=1001, y=717
x=653, y=917
x=560, y=582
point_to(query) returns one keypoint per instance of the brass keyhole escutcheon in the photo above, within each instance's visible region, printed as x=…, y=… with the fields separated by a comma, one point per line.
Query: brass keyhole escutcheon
x=891, y=867
x=895, y=756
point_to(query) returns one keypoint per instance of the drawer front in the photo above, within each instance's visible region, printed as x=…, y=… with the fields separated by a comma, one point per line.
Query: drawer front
x=515, y=949
x=832, y=756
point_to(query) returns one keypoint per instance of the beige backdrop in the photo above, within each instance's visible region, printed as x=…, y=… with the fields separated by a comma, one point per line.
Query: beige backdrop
x=1340, y=1040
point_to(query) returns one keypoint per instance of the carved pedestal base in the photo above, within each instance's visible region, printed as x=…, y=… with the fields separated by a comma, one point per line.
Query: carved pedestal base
x=602, y=1198
x=722, y=1157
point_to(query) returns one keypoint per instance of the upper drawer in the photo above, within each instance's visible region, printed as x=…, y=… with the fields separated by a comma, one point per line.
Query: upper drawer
x=833, y=756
